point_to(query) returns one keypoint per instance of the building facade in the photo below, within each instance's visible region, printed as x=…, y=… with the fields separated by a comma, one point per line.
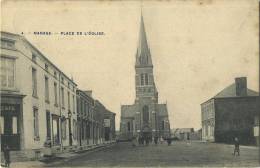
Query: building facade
x=109, y=126
x=146, y=117
x=42, y=111
x=231, y=114
x=85, y=118
x=38, y=101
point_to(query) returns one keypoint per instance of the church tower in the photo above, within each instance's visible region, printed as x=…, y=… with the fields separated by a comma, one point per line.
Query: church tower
x=144, y=78
x=145, y=118
x=146, y=92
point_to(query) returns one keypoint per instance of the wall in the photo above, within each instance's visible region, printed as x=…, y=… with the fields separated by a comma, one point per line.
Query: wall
x=235, y=118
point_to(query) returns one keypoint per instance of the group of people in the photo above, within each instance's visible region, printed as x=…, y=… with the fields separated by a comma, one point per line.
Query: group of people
x=142, y=140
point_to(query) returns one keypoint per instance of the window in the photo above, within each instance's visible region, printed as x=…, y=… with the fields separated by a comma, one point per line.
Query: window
x=73, y=103
x=8, y=44
x=46, y=67
x=35, y=123
x=145, y=114
x=47, y=89
x=62, y=80
x=163, y=125
x=34, y=58
x=55, y=93
x=146, y=79
x=68, y=85
x=142, y=79
x=69, y=100
x=34, y=82
x=7, y=72
x=128, y=127
x=62, y=97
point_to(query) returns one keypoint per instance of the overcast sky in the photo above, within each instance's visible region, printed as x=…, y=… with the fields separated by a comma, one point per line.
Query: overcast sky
x=197, y=48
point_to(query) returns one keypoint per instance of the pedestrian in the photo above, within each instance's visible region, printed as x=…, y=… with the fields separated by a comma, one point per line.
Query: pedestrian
x=6, y=151
x=161, y=139
x=155, y=140
x=236, y=150
x=146, y=141
x=169, y=141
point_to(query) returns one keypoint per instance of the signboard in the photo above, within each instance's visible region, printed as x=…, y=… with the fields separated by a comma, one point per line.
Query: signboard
x=256, y=131
x=107, y=122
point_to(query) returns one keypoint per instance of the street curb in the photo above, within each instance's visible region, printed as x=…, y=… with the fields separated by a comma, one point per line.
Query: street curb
x=79, y=154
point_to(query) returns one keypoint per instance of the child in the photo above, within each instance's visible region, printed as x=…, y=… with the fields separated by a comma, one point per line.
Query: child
x=236, y=146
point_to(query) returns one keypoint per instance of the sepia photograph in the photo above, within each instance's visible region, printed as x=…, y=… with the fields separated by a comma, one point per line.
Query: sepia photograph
x=135, y=83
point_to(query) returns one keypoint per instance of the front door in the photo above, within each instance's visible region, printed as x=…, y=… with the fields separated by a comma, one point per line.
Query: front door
x=10, y=129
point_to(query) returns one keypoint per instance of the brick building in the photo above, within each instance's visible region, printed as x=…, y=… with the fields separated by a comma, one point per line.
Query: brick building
x=231, y=114
x=146, y=117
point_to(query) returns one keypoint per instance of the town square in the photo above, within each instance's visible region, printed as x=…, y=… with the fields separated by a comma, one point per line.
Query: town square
x=130, y=84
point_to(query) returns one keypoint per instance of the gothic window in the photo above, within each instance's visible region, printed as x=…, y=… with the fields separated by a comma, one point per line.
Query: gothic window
x=146, y=79
x=142, y=79
x=145, y=114
x=163, y=125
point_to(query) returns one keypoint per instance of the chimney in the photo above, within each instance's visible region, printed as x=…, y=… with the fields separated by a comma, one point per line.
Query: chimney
x=241, y=86
x=88, y=92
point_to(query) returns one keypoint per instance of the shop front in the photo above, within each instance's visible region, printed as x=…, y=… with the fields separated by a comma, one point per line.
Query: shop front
x=11, y=121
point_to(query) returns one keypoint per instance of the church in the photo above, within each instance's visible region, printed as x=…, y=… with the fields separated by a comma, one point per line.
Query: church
x=146, y=117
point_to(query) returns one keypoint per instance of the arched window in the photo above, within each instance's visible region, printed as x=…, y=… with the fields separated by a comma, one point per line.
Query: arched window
x=146, y=79
x=145, y=114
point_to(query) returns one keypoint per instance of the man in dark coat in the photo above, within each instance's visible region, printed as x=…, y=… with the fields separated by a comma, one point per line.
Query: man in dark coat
x=6, y=151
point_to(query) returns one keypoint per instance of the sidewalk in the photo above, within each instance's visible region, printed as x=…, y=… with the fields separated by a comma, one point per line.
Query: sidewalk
x=58, y=158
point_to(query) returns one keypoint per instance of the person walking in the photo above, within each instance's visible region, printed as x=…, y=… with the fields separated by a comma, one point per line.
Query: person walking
x=6, y=151
x=155, y=140
x=236, y=150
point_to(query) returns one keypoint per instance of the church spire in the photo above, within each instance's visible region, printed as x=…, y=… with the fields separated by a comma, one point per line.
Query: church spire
x=143, y=55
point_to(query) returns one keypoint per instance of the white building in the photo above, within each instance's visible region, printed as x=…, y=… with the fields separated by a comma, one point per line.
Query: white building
x=38, y=101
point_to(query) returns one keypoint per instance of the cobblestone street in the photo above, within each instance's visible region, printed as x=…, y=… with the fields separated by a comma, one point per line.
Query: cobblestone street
x=178, y=154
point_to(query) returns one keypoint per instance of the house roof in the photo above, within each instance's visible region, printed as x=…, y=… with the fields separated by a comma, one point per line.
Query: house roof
x=127, y=111
x=162, y=109
x=230, y=91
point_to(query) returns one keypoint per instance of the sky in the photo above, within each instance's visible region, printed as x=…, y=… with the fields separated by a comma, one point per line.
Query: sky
x=198, y=47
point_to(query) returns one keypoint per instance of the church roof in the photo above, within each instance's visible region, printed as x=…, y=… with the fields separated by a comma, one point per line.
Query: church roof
x=127, y=111
x=230, y=91
x=143, y=55
x=162, y=109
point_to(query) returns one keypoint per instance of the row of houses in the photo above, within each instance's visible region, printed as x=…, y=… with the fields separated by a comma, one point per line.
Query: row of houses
x=42, y=108
x=233, y=112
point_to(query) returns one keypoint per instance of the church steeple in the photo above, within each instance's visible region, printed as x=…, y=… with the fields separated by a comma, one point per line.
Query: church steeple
x=143, y=55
